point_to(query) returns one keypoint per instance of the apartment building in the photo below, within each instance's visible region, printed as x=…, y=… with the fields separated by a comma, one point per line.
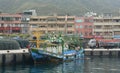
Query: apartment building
x=10, y=23
x=26, y=18
x=50, y=24
x=84, y=27
x=107, y=27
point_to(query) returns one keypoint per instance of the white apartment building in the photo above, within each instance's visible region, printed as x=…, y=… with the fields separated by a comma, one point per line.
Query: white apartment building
x=55, y=23
x=108, y=27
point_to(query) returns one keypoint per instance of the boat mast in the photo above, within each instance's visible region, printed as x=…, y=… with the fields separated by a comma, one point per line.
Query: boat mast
x=37, y=35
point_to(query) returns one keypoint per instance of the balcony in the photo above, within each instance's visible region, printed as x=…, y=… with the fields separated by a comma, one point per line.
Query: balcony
x=60, y=29
x=52, y=22
x=103, y=30
x=10, y=22
x=108, y=37
x=52, y=29
x=61, y=22
x=70, y=22
x=98, y=30
x=116, y=29
x=70, y=29
x=116, y=23
x=102, y=23
x=38, y=29
x=37, y=22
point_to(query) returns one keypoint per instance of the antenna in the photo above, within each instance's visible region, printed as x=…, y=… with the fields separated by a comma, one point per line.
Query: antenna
x=119, y=11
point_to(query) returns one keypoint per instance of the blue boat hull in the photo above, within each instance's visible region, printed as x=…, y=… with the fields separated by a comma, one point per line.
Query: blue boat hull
x=39, y=55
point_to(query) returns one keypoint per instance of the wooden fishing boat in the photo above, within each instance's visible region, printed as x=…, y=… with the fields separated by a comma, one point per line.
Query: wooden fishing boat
x=54, y=48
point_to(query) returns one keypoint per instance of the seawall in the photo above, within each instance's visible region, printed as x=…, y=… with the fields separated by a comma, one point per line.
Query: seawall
x=102, y=52
x=8, y=57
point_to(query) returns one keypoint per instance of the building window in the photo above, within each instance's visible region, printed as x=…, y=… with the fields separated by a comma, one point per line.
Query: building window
x=34, y=25
x=117, y=27
x=0, y=18
x=17, y=18
x=16, y=31
x=34, y=19
x=42, y=26
x=79, y=20
x=60, y=19
x=116, y=20
x=117, y=33
x=7, y=18
x=52, y=25
x=13, y=25
x=61, y=26
x=2, y=25
x=86, y=20
x=25, y=25
x=69, y=25
x=107, y=27
x=90, y=33
x=16, y=25
x=86, y=26
x=43, y=20
x=81, y=26
x=51, y=19
x=98, y=27
x=77, y=26
x=86, y=34
x=70, y=19
x=98, y=20
x=91, y=20
x=69, y=32
x=97, y=33
x=22, y=25
x=90, y=26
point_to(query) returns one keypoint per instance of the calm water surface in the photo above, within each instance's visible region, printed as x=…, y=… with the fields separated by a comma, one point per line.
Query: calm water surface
x=91, y=65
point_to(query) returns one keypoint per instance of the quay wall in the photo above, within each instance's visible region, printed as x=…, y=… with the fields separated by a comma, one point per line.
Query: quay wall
x=102, y=52
x=12, y=57
x=22, y=56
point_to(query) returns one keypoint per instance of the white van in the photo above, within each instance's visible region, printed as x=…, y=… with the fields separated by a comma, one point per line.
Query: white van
x=1, y=37
x=92, y=43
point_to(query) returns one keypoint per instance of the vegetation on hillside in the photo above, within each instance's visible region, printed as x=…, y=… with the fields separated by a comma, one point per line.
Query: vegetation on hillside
x=72, y=7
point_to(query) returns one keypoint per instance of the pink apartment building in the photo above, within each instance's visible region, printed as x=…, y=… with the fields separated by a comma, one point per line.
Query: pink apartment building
x=10, y=23
x=84, y=27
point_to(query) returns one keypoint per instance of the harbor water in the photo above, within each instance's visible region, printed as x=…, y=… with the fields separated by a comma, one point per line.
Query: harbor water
x=88, y=65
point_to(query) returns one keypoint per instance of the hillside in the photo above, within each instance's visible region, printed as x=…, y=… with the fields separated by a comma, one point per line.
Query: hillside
x=72, y=7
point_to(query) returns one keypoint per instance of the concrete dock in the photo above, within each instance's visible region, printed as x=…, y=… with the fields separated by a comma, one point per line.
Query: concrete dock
x=8, y=57
x=20, y=56
x=102, y=52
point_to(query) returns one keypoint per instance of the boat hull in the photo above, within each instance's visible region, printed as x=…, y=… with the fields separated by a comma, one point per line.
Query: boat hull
x=41, y=55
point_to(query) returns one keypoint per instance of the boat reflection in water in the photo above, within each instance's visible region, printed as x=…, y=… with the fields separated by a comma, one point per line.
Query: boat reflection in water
x=76, y=66
x=91, y=65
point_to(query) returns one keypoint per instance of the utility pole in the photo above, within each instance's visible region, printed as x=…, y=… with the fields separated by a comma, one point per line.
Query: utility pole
x=119, y=11
x=66, y=25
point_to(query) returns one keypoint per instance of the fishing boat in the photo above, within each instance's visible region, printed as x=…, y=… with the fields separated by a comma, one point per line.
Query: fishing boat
x=54, y=48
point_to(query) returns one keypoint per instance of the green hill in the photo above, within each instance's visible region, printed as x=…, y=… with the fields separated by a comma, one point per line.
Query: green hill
x=48, y=7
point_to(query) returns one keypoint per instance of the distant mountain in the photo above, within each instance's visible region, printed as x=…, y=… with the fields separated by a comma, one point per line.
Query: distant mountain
x=72, y=7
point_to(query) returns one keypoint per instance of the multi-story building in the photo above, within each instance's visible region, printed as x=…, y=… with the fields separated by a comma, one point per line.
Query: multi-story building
x=56, y=24
x=84, y=27
x=25, y=19
x=10, y=23
x=108, y=27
